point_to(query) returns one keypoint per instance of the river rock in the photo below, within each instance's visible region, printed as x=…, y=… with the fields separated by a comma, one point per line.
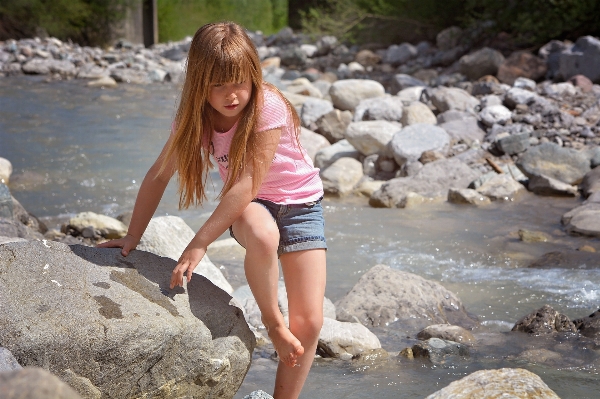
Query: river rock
x=512, y=144
x=399, y=54
x=433, y=180
x=492, y=384
x=31, y=221
x=447, y=332
x=43, y=67
x=583, y=220
x=410, y=95
x=90, y=301
x=417, y=112
x=387, y=108
x=485, y=61
x=501, y=188
x=495, y=114
x=567, y=259
x=312, y=142
x=258, y=395
x=582, y=59
x=313, y=109
x=544, y=185
x=549, y=159
x=467, y=196
x=333, y=125
x=18, y=384
x=545, y=320
x=13, y=228
x=169, y=236
x=5, y=170
x=438, y=351
x=304, y=87
x=409, y=143
x=8, y=361
x=447, y=98
x=347, y=94
x=370, y=137
x=345, y=340
x=92, y=71
x=328, y=155
x=340, y=177
x=516, y=96
x=105, y=81
x=384, y=295
x=591, y=182
x=532, y=236
x=589, y=326
x=127, y=75
x=524, y=83
x=367, y=58
x=106, y=226
x=521, y=64
x=400, y=82
x=466, y=130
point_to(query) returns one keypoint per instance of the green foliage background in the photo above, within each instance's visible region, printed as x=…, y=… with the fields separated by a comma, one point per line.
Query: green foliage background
x=180, y=18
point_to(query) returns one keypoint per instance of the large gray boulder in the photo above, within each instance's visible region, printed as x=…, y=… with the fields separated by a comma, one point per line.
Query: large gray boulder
x=411, y=142
x=581, y=59
x=89, y=313
x=386, y=108
x=384, y=295
x=492, y=384
x=371, y=137
x=348, y=93
x=341, y=177
x=433, y=180
x=549, y=159
x=168, y=236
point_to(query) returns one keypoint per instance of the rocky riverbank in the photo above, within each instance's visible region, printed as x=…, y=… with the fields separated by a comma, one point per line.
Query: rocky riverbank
x=403, y=126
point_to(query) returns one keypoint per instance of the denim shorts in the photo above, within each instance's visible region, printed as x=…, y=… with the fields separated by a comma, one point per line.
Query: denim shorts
x=301, y=226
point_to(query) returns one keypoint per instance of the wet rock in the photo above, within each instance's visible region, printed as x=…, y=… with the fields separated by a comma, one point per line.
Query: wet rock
x=258, y=395
x=340, y=177
x=533, y=236
x=347, y=94
x=388, y=108
x=313, y=109
x=370, y=137
x=5, y=170
x=438, y=351
x=453, y=98
x=581, y=59
x=543, y=356
x=545, y=320
x=467, y=196
x=501, y=188
x=485, y=61
x=409, y=143
x=492, y=384
x=372, y=357
x=548, y=159
x=91, y=295
x=312, y=142
x=169, y=236
x=384, y=295
x=333, y=125
x=433, y=180
x=107, y=227
x=345, y=340
x=521, y=64
x=544, y=185
x=417, y=112
x=583, y=220
x=568, y=259
x=447, y=332
x=589, y=326
x=18, y=384
x=8, y=361
x=328, y=155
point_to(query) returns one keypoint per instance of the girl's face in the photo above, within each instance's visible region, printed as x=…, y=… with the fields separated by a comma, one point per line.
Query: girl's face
x=230, y=99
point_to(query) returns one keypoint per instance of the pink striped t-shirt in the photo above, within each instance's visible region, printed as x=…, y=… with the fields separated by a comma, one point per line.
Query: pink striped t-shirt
x=292, y=178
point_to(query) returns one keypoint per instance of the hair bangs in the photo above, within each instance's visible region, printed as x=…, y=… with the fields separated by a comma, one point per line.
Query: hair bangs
x=231, y=64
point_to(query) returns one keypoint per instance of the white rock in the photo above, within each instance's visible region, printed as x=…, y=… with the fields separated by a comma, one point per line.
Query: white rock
x=345, y=340
x=5, y=170
x=108, y=227
x=341, y=176
x=369, y=137
x=417, y=112
x=347, y=94
x=495, y=114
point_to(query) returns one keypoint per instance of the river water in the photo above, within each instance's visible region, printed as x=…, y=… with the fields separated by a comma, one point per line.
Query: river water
x=75, y=148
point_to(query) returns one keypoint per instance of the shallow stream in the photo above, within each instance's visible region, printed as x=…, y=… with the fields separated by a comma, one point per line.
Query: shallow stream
x=76, y=149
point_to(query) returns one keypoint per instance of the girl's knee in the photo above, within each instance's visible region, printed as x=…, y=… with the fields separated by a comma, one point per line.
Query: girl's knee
x=307, y=326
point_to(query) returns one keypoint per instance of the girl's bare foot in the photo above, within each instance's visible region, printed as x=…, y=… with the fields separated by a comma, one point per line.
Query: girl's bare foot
x=288, y=347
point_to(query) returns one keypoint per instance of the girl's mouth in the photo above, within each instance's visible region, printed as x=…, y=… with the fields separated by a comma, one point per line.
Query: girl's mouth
x=232, y=106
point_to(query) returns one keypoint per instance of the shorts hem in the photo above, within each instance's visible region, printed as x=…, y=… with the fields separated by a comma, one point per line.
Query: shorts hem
x=302, y=246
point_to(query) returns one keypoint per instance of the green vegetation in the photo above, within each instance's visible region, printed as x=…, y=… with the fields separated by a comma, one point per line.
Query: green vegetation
x=529, y=22
x=83, y=21
x=180, y=18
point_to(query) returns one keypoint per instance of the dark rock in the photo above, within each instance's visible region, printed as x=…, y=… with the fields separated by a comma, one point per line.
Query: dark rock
x=545, y=320
x=439, y=350
x=567, y=259
x=589, y=326
x=521, y=64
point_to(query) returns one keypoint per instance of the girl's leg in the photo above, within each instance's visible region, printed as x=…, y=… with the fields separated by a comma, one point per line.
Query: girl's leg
x=257, y=232
x=304, y=274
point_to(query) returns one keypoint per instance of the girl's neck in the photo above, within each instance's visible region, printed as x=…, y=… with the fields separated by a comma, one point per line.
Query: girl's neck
x=223, y=124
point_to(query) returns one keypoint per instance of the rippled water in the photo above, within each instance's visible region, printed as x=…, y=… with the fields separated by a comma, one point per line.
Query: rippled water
x=76, y=149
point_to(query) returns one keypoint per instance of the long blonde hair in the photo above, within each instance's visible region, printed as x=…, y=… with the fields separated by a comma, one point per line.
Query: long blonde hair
x=220, y=53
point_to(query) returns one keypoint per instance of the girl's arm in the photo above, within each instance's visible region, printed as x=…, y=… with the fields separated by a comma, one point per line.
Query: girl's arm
x=230, y=207
x=151, y=191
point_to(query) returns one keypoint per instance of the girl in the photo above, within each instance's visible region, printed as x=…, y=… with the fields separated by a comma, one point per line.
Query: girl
x=271, y=197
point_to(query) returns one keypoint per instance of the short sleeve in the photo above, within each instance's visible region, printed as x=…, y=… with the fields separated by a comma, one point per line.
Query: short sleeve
x=274, y=113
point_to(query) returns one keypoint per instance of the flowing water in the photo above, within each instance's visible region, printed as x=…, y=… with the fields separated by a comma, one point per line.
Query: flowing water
x=76, y=149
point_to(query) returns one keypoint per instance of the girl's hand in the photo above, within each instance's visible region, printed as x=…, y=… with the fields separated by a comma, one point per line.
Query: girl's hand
x=127, y=243
x=187, y=262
